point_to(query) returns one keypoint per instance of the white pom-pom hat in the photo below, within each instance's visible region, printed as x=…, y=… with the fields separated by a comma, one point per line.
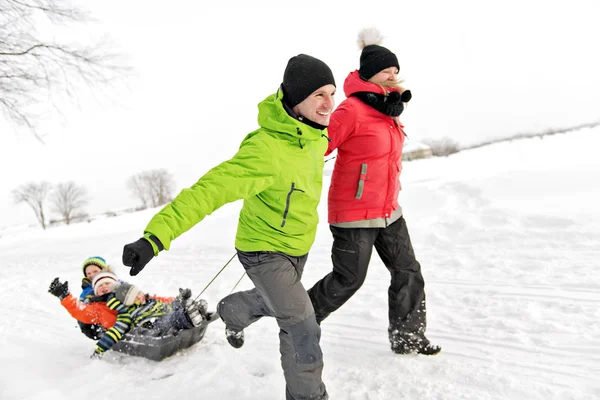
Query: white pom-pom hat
x=374, y=57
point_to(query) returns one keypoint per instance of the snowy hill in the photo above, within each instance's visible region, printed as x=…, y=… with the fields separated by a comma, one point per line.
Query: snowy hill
x=508, y=238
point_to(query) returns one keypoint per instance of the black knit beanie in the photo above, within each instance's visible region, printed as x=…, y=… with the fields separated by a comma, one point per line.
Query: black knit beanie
x=375, y=58
x=303, y=75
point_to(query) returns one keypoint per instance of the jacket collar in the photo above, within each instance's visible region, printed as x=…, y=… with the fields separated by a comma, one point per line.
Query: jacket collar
x=273, y=116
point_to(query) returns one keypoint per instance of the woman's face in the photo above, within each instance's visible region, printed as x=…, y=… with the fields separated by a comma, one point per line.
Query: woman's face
x=318, y=106
x=388, y=75
x=91, y=271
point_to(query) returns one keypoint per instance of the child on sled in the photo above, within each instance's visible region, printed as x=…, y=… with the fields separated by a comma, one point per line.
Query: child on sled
x=150, y=316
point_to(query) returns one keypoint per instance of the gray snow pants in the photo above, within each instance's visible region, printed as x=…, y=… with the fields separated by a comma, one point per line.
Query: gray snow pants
x=279, y=293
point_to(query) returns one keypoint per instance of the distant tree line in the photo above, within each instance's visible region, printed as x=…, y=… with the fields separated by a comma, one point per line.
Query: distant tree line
x=68, y=199
x=527, y=135
x=445, y=146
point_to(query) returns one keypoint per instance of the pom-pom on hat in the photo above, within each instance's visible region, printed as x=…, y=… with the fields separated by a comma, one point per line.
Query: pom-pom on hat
x=103, y=277
x=374, y=58
x=126, y=293
x=97, y=261
x=303, y=75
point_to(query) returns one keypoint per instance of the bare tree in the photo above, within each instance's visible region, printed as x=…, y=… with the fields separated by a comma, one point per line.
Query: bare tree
x=137, y=186
x=443, y=147
x=68, y=198
x=33, y=69
x=34, y=195
x=153, y=188
x=162, y=186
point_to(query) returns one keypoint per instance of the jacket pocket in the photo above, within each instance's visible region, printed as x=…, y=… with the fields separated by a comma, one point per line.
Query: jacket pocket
x=288, y=200
x=361, y=181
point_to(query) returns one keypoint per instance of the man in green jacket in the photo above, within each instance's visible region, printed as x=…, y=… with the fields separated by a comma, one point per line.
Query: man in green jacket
x=277, y=171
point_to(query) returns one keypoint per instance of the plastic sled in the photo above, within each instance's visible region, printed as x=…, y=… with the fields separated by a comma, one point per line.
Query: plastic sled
x=158, y=348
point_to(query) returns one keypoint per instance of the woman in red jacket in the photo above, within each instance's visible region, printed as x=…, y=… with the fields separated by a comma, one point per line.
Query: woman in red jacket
x=363, y=199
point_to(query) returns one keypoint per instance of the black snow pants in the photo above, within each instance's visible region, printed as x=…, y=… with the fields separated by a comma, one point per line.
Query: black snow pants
x=351, y=253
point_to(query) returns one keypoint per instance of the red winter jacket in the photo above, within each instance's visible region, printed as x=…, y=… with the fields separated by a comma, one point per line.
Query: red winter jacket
x=90, y=313
x=365, y=181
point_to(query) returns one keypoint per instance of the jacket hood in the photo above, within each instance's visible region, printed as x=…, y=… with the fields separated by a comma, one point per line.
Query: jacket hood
x=273, y=117
x=354, y=84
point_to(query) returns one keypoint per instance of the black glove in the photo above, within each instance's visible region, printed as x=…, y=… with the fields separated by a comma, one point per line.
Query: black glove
x=137, y=254
x=60, y=290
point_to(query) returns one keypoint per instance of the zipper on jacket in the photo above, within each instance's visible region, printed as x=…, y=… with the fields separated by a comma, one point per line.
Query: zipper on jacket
x=361, y=181
x=299, y=132
x=287, y=203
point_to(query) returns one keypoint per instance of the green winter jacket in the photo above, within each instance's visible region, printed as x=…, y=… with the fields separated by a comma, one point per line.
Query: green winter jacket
x=278, y=171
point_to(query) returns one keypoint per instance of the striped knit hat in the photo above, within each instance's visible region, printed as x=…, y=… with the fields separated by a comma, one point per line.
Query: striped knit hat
x=97, y=261
x=103, y=277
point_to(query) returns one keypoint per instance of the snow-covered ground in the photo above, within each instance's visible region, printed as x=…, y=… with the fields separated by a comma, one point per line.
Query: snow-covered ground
x=509, y=240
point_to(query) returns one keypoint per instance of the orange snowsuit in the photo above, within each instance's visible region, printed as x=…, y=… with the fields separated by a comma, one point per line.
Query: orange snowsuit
x=96, y=312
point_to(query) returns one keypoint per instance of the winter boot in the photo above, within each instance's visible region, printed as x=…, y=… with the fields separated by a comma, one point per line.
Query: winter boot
x=235, y=338
x=202, y=308
x=411, y=343
x=193, y=314
x=429, y=350
x=185, y=298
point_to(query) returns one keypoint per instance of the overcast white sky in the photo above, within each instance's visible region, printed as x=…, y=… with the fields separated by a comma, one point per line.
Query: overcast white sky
x=478, y=70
